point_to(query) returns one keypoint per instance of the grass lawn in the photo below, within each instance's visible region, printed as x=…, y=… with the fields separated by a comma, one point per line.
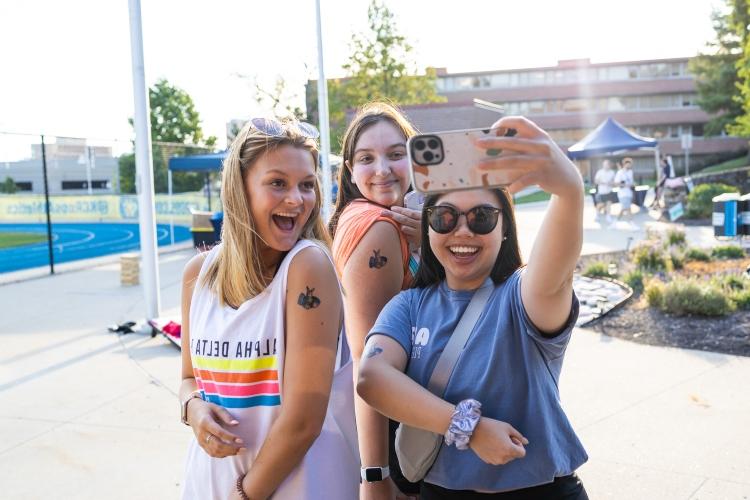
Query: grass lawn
x=8, y=240
x=533, y=197
x=727, y=165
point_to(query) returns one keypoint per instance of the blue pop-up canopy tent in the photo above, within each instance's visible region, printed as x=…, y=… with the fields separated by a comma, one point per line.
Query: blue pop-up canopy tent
x=197, y=163
x=608, y=137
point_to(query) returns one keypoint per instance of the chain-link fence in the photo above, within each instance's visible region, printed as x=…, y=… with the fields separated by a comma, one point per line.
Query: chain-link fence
x=70, y=198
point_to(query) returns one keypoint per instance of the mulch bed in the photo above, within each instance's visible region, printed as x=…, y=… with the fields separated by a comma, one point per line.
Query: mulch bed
x=638, y=322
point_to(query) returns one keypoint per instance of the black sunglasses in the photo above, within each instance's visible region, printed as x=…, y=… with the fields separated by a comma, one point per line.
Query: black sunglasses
x=275, y=128
x=481, y=219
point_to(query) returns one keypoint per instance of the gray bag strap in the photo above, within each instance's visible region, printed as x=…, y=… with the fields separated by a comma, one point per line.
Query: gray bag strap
x=447, y=360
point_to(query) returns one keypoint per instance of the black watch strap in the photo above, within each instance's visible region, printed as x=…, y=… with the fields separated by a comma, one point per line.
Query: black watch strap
x=374, y=474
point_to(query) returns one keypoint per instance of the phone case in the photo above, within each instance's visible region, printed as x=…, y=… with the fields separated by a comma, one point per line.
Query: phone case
x=447, y=161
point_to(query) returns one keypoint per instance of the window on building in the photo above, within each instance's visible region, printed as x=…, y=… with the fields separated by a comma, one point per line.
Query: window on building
x=571, y=105
x=536, y=78
x=689, y=100
x=500, y=80
x=537, y=107
x=616, y=104
x=24, y=186
x=465, y=83
x=95, y=184
x=632, y=72
x=661, y=101
x=618, y=73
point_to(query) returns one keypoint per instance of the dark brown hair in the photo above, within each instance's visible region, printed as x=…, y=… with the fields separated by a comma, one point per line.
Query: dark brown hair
x=367, y=116
x=432, y=272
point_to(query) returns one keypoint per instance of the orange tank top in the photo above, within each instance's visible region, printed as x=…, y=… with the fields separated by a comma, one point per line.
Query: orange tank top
x=354, y=222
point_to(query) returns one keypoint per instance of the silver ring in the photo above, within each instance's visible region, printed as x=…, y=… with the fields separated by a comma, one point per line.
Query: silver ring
x=208, y=437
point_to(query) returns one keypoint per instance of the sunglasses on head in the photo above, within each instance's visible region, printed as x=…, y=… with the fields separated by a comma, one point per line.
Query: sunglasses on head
x=275, y=128
x=481, y=219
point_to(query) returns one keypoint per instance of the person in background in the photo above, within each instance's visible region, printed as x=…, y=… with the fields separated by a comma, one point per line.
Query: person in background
x=626, y=185
x=506, y=435
x=605, y=181
x=371, y=231
x=665, y=172
x=261, y=323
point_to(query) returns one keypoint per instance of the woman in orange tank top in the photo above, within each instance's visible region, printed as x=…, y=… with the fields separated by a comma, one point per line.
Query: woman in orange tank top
x=371, y=232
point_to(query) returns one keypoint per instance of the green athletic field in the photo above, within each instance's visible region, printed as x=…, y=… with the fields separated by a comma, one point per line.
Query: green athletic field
x=8, y=240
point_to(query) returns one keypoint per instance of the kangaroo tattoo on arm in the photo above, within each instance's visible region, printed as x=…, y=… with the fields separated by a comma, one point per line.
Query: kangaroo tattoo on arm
x=307, y=299
x=377, y=261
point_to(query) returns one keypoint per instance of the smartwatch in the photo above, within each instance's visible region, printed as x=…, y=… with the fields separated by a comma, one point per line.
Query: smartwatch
x=184, y=405
x=374, y=474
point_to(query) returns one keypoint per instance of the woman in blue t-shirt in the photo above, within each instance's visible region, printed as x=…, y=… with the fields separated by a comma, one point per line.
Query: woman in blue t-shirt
x=501, y=405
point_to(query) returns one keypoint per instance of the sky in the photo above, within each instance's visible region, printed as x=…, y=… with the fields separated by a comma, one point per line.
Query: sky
x=65, y=67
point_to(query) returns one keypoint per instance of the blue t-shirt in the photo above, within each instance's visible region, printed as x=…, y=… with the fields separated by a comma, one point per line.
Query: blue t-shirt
x=507, y=365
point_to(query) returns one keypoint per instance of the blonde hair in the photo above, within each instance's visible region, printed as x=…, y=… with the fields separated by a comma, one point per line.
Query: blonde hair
x=236, y=275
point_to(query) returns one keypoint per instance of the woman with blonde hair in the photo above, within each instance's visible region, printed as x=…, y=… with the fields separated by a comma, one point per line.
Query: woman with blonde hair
x=371, y=231
x=264, y=383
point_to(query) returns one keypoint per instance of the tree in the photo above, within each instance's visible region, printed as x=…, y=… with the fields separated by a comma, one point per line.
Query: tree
x=379, y=67
x=277, y=99
x=8, y=186
x=741, y=25
x=174, y=122
x=716, y=71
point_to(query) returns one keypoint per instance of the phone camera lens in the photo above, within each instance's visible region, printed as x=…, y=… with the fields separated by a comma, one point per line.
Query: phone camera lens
x=433, y=143
x=428, y=156
x=419, y=145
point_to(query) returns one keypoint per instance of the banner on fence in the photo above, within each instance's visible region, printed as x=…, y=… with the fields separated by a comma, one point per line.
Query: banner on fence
x=98, y=208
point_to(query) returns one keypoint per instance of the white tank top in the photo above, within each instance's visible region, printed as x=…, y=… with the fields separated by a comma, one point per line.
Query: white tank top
x=238, y=362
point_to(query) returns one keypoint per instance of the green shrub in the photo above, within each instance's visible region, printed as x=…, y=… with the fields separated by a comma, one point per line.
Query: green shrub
x=741, y=299
x=596, y=270
x=676, y=237
x=699, y=204
x=728, y=252
x=677, y=259
x=686, y=296
x=650, y=256
x=634, y=280
x=732, y=282
x=655, y=293
x=697, y=254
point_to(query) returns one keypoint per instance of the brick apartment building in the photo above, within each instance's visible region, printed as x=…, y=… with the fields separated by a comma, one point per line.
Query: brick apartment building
x=653, y=98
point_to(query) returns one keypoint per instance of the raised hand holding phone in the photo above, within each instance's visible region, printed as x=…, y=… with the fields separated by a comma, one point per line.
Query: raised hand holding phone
x=529, y=158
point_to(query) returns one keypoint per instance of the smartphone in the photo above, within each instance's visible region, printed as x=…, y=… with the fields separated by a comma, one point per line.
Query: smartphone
x=448, y=161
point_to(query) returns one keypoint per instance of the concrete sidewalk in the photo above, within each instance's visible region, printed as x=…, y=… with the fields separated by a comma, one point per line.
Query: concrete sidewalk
x=88, y=414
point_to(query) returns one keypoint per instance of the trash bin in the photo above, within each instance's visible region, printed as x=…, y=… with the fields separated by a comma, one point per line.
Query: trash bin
x=217, y=220
x=203, y=237
x=640, y=195
x=725, y=215
x=744, y=208
x=202, y=229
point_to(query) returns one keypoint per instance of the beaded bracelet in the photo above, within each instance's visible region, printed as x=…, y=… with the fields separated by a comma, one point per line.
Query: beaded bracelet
x=241, y=491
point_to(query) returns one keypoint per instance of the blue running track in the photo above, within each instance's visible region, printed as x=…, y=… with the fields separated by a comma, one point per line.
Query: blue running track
x=78, y=241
